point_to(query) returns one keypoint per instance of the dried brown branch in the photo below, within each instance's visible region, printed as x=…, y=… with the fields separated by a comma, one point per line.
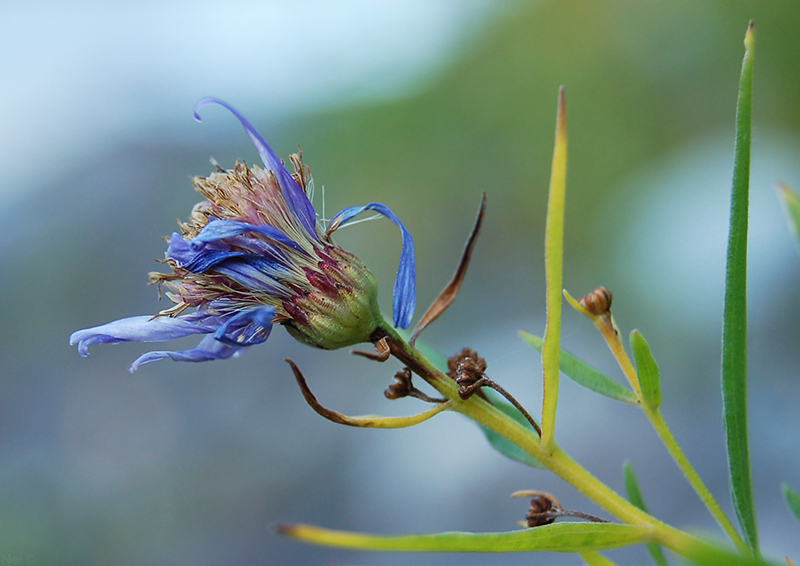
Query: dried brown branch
x=382, y=349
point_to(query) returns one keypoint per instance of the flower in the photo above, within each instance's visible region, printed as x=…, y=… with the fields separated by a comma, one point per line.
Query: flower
x=253, y=254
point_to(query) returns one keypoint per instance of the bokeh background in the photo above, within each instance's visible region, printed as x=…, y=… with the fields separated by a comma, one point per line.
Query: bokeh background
x=421, y=105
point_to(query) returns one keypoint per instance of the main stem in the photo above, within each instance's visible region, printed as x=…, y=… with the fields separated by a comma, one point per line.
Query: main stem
x=551, y=456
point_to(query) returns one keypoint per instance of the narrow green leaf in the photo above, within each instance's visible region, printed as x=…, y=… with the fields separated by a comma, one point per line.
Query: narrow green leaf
x=791, y=205
x=593, y=558
x=792, y=500
x=503, y=445
x=553, y=270
x=558, y=537
x=635, y=497
x=734, y=333
x=584, y=374
x=646, y=370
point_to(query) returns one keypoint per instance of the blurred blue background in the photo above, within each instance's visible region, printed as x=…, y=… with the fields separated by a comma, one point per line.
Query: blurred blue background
x=421, y=106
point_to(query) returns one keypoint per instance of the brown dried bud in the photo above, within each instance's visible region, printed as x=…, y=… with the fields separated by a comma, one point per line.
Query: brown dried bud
x=402, y=386
x=465, y=354
x=468, y=372
x=598, y=302
x=543, y=511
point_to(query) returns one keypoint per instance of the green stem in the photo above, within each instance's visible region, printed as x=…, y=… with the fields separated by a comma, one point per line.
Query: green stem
x=664, y=433
x=551, y=456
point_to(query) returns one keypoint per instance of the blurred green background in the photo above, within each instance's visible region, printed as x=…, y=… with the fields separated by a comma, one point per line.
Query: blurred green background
x=184, y=463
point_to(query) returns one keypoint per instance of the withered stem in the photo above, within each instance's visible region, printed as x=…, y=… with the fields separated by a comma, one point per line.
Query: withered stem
x=556, y=513
x=486, y=382
x=381, y=354
x=417, y=394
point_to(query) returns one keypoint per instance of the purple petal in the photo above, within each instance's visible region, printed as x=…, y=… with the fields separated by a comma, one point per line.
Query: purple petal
x=405, y=287
x=295, y=197
x=247, y=327
x=208, y=349
x=200, y=261
x=143, y=329
x=196, y=261
x=255, y=274
x=220, y=229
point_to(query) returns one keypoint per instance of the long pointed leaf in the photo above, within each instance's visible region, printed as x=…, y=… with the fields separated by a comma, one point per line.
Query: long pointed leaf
x=635, y=497
x=791, y=205
x=558, y=537
x=553, y=268
x=792, y=500
x=584, y=374
x=734, y=334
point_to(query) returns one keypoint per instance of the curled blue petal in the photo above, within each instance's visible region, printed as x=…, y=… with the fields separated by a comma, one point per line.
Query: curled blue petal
x=208, y=349
x=143, y=329
x=405, y=286
x=295, y=197
x=217, y=230
x=196, y=261
x=247, y=328
x=200, y=261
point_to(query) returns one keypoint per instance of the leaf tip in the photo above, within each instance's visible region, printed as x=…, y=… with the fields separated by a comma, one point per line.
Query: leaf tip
x=748, y=36
x=283, y=529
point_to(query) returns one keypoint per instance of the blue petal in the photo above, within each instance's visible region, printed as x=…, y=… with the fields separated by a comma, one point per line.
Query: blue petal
x=143, y=329
x=255, y=274
x=247, y=327
x=200, y=261
x=196, y=261
x=295, y=197
x=405, y=287
x=217, y=230
x=208, y=349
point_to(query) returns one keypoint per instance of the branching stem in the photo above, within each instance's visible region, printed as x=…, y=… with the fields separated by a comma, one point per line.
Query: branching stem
x=551, y=456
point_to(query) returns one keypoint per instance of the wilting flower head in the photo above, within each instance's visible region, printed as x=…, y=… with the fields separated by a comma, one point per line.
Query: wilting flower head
x=253, y=254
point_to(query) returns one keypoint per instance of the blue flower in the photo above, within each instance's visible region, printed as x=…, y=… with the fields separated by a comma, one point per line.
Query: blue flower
x=254, y=254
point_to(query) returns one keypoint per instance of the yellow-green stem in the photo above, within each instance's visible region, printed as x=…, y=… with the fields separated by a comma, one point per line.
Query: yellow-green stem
x=664, y=433
x=611, y=335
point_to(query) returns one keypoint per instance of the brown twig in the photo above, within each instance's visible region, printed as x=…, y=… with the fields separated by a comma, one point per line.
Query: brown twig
x=382, y=349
